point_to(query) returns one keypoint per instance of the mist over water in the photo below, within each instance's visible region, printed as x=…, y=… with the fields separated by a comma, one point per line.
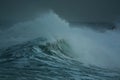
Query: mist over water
x=89, y=46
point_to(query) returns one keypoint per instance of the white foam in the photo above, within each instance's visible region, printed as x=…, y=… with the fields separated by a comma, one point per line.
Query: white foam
x=90, y=47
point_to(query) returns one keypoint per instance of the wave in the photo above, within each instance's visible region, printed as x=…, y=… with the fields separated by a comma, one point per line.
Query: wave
x=57, y=49
x=88, y=46
x=41, y=59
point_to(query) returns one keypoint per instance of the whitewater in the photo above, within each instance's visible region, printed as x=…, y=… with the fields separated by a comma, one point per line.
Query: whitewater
x=49, y=48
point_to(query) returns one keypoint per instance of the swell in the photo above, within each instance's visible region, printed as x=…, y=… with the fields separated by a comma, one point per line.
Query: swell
x=39, y=47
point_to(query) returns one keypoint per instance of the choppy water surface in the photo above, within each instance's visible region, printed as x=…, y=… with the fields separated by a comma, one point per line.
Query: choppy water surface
x=42, y=60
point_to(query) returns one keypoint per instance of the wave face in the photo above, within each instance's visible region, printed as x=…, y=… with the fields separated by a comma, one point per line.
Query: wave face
x=41, y=59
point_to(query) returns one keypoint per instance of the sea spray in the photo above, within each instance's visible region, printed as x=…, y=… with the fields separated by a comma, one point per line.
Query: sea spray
x=89, y=46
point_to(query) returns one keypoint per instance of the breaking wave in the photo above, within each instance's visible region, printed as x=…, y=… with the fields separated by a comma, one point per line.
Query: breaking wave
x=61, y=53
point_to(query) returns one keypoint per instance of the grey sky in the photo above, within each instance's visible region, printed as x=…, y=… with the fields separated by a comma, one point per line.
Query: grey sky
x=74, y=11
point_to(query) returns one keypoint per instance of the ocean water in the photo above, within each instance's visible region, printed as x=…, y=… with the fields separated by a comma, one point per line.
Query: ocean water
x=41, y=59
x=49, y=48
